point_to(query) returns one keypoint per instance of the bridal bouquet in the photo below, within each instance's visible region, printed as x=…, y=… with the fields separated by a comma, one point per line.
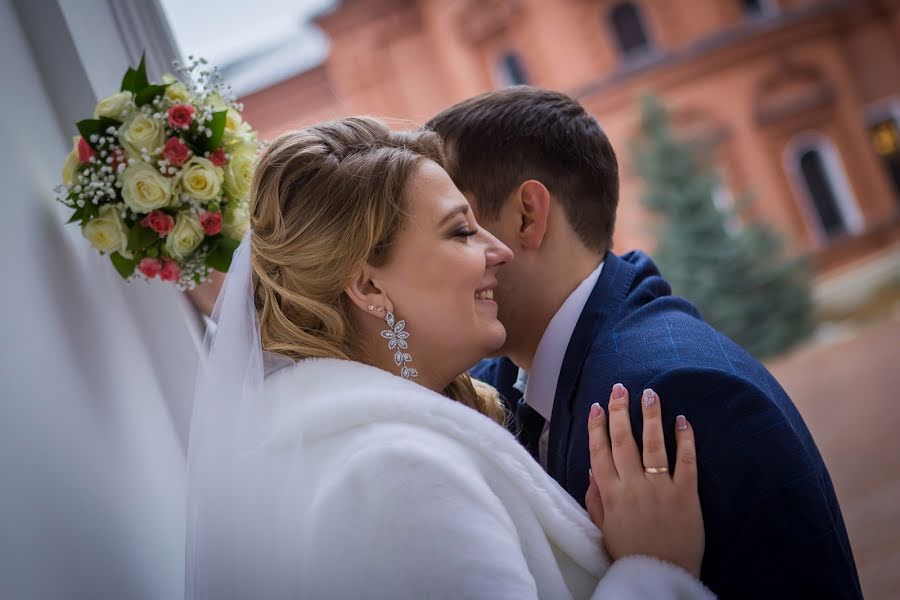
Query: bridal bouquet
x=159, y=178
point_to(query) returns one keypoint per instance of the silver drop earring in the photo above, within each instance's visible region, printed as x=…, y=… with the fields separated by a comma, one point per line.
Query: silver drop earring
x=397, y=336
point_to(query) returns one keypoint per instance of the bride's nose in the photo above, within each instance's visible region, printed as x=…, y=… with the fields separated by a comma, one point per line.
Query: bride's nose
x=496, y=253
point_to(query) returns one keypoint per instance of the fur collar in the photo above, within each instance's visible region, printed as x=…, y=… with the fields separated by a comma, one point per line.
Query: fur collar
x=320, y=398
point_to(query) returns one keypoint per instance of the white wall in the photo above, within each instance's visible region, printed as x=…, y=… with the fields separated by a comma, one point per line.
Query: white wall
x=96, y=375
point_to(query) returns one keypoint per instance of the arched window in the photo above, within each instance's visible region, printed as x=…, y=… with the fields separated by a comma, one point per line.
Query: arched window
x=510, y=70
x=628, y=27
x=818, y=173
x=758, y=8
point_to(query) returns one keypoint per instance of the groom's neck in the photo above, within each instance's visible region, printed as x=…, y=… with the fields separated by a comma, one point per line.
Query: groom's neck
x=555, y=277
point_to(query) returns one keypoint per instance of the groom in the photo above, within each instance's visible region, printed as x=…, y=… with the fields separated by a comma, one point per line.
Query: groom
x=542, y=177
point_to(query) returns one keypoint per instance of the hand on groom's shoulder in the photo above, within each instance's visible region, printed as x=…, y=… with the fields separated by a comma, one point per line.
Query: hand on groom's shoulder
x=768, y=503
x=773, y=525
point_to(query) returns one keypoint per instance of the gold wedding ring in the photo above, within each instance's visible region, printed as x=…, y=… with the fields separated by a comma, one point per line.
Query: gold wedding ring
x=656, y=469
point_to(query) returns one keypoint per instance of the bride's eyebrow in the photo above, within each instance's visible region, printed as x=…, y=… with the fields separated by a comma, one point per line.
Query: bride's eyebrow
x=460, y=209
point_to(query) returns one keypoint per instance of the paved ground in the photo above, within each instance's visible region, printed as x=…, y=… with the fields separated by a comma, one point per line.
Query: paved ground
x=849, y=394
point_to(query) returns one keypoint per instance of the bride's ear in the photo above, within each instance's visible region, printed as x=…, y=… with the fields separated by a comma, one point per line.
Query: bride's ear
x=367, y=295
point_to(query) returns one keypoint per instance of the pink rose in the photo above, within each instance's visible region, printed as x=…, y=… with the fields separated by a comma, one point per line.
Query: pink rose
x=170, y=271
x=181, y=116
x=176, y=152
x=218, y=157
x=85, y=152
x=159, y=222
x=150, y=267
x=211, y=222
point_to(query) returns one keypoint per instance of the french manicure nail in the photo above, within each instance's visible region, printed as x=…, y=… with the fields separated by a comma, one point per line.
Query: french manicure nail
x=649, y=397
x=681, y=423
x=595, y=410
x=618, y=391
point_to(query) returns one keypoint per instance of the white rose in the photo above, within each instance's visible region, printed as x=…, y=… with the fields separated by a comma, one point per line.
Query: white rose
x=237, y=131
x=236, y=220
x=144, y=188
x=106, y=232
x=215, y=101
x=71, y=164
x=114, y=107
x=201, y=179
x=185, y=237
x=177, y=93
x=141, y=132
x=239, y=171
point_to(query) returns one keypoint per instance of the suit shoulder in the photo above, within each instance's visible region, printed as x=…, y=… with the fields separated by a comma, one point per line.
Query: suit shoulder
x=486, y=370
x=737, y=407
x=668, y=333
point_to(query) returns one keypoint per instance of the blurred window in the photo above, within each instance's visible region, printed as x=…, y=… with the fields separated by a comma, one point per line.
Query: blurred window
x=628, y=27
x=757, y=8
x=816, y=165
x=884, y=132
x=821, y=192
x=510, y=70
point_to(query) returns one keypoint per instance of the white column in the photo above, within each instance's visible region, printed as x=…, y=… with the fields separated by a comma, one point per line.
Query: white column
x=96, y=375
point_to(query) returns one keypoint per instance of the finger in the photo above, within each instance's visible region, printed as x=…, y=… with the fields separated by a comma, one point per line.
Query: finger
x=685, y=455
x=593, y=502
x=602, y=465
x=654, y=443
x=624, y=449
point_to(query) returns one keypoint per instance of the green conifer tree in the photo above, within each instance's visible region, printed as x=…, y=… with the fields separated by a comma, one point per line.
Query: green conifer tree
x=738, y=277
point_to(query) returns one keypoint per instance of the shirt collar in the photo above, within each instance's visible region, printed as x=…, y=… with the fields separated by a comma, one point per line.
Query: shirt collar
x=540, y=385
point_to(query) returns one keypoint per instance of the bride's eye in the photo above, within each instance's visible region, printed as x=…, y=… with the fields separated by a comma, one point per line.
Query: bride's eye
x=465, y=232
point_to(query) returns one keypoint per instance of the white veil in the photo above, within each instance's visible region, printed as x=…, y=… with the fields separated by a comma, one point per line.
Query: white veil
x=244, y=535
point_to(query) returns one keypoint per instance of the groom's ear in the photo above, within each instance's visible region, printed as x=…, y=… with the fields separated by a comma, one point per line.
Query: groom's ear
x=533, y=207
x=366, y=293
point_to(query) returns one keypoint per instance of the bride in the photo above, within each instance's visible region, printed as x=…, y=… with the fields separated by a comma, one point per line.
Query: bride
x=338, y=448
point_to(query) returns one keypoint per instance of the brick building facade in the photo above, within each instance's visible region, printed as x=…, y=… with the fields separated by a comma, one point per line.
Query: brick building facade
x=801, y=96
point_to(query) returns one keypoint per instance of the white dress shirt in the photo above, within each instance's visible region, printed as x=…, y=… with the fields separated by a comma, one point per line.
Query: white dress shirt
x=541, y=381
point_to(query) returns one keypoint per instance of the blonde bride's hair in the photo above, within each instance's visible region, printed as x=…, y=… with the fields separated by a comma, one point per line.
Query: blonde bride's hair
x=325, y=200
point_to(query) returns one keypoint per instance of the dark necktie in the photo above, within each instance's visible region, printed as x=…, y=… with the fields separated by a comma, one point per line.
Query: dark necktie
x=531, y=426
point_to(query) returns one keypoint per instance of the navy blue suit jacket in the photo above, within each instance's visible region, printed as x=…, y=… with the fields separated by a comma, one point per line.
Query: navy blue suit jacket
x=773, y=525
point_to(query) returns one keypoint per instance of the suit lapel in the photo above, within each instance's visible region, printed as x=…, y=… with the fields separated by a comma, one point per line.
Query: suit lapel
x=595, y=323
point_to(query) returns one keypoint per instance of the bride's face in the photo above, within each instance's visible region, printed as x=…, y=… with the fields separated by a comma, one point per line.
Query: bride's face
x=441, y=277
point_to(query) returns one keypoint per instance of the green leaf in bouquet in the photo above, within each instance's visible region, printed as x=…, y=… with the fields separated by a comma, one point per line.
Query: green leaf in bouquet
x=150, y=93
x=228, y=244
x=125, y=266
x=217, y=126
x=87, y=212
x=220, y=253
x=140, y=237
x=89, y=127
x=141, y=77
x=78, y=215
x=135, y=79
x=218, y=260
x=128, y=81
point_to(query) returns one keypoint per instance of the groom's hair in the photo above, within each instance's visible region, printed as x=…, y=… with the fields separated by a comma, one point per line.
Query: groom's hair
x=497, y=140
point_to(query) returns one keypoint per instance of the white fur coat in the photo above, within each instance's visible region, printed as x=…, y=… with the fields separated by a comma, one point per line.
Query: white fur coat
x=411, y=495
